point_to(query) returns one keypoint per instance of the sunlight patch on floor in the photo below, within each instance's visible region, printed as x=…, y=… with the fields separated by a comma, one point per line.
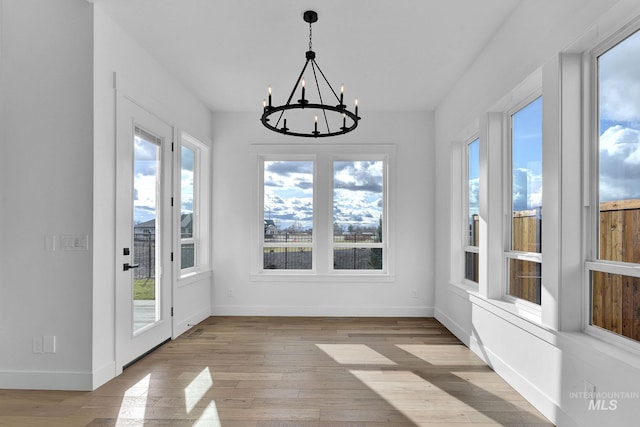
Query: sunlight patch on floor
x=209, y=417
x=137, y=393
x=411, y=395
x=354, y=354
x=196, y=390
x=442, y=354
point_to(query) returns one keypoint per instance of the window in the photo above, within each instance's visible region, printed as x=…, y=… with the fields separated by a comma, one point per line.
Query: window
x=524, y=257
x=323, y=211
x=358, y=201
x=614, y=275
x=192, y=222
x=288, y=215
x=187, y=205
x=472, y=212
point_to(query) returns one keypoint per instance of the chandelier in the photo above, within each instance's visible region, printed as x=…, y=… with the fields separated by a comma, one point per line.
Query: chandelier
x=303, y=114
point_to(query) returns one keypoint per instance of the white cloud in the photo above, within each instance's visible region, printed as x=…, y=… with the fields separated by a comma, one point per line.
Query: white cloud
x=619, y=163
x=619, y=69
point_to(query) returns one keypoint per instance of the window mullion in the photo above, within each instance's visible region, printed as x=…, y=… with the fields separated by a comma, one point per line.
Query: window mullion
x=323, y=212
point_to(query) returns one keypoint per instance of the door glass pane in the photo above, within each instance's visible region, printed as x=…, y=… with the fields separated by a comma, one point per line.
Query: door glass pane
x=619, y=152
x=146, y=185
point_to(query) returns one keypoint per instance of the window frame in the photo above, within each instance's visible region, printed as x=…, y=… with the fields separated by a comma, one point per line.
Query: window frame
x=593, y=263
x=466, y=247
x=508, y=253
x=201, y=209
x=323, y=156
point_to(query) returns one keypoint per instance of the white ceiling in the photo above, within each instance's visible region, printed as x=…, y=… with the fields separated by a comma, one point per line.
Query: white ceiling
x=392, y=55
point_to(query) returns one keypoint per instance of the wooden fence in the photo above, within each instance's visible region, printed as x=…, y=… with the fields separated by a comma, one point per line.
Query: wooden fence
x=616, y=298
x=525, y=276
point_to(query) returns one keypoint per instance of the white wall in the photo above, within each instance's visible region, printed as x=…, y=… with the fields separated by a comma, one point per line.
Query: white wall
x=122, y=63
x=58, y=173
x=543, y=364
x=235, y=216
x=47, y=170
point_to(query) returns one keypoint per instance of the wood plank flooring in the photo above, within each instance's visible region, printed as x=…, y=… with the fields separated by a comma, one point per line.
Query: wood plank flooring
x=285, y=372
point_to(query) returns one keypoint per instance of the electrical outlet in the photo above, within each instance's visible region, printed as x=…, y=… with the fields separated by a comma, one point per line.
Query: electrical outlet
x=230, y=293
x=37, y=345
x=415, y=293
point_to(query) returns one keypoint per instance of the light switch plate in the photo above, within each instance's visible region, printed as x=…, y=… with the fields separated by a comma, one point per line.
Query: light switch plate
x=74, y=242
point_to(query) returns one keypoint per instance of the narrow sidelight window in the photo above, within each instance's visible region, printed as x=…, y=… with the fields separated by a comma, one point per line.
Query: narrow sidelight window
x=524, y=260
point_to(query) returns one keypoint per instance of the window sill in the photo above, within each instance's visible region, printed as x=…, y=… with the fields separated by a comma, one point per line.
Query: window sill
x=463, y=289
x=194, y=277
x=315, y=277
x=513, y=313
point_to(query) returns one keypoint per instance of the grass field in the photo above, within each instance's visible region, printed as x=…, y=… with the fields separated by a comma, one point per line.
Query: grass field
x=144, y=289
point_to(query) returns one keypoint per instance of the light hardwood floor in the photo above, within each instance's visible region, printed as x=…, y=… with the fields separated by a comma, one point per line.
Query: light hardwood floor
x=284, y=372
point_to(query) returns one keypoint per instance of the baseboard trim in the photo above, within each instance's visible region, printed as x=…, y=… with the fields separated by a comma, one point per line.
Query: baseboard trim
x=46, y=380
x=104, y=374
x=326, y=311
x=529, y=391
x=184, y=325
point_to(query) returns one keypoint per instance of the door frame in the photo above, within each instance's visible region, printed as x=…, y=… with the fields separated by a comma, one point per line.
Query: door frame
x=130, y=346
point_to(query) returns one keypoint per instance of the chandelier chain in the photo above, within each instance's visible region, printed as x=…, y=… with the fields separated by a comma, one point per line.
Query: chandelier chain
x=310, y=36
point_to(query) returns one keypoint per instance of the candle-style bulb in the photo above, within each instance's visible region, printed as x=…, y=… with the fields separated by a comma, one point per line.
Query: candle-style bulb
x=264, y=103
x=356, y=112
x=269, y=88
x=302, y=82
x=341, y=95
x=315, y=126
x=342, y=88
x=269, y=95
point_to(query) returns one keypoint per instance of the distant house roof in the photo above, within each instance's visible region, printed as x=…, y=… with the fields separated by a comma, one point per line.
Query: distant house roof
x=147, y=224
x=185, y=222
x=269, y=222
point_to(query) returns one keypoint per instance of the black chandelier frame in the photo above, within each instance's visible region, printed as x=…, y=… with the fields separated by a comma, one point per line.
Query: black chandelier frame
x=269, y=110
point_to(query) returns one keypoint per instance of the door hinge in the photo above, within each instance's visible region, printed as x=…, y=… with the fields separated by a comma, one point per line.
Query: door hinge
x=172, y=201
x=172, y=147
x=171, y=256
x=171, y=311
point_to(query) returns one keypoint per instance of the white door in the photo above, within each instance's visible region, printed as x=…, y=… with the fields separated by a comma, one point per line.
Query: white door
x=143, y=230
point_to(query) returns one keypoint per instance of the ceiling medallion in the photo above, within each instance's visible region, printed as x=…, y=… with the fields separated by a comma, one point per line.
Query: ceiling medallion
x=304, y=114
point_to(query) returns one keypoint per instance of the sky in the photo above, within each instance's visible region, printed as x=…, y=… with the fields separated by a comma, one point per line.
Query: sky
x=288, y=193
x=619, y=106
x=619, y=135
x=526, y=157
x=144, y=179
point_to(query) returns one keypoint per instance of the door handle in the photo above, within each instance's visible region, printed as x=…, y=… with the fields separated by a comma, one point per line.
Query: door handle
x=126, y=266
